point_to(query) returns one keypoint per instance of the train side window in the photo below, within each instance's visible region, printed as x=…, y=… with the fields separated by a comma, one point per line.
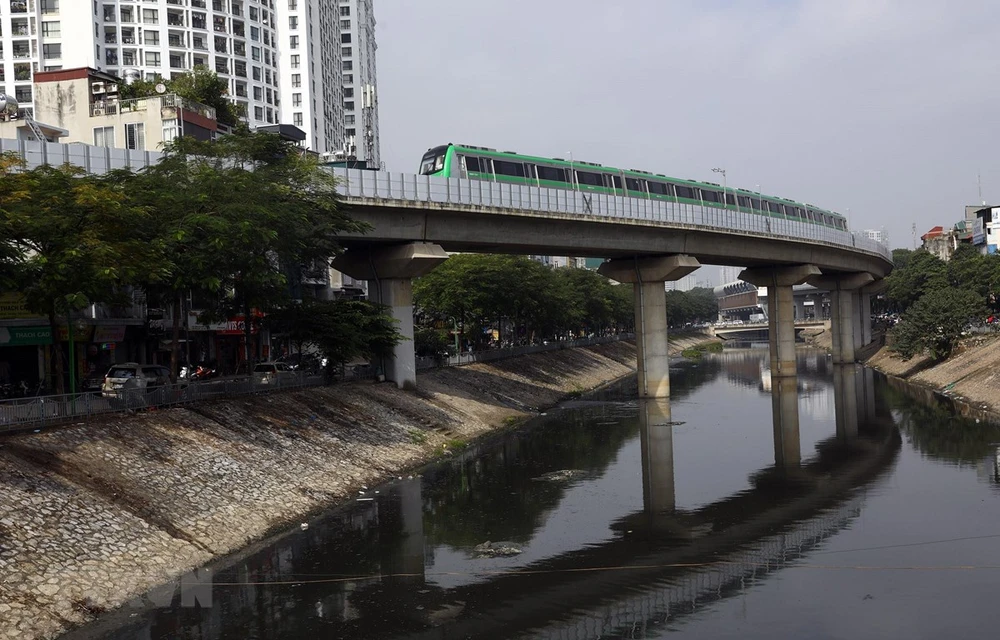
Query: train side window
x=633, y=184
x=774, y=207
x=590, y=179
x=684, y=192
x=505, y=168
x=612, y=181
x=744, y=202
x=551, y=173
x=472, y=164
x=659, y=188
x=710, y=196
x=730, y=199
x=529, y=171
x=827, y=220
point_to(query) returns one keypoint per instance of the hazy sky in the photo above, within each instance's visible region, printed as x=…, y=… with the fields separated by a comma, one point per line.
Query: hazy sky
x=889, y=108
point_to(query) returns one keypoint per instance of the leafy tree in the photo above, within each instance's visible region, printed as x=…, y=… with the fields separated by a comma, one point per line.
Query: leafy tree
x=200, y=85
x=343, y=330
x=234, y=216
x=77, y=237
x=934, y=323
x=923, y=272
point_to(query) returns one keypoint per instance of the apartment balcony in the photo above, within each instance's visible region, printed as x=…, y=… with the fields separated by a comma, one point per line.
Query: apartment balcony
x=110, y=38
x=198, y=24
x=22, y=94
x=219, y=26
x=175, y=41
x=199, y=45
x=198, y=4
x=18, y=6
x=21, y=53
x=111, y=58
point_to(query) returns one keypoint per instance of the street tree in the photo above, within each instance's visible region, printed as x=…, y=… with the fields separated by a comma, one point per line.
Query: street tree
x=199, y=85
x=934, y=324
x=76, y=236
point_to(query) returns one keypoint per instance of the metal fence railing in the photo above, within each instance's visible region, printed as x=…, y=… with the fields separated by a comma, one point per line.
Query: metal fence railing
x=501, y=354
x=39, y=411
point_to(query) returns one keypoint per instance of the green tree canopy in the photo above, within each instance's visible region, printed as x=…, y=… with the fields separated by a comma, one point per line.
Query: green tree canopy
x=200, y=85
x=934, y=324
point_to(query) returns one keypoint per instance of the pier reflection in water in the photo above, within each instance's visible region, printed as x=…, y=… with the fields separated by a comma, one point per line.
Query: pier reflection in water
x=676, y=507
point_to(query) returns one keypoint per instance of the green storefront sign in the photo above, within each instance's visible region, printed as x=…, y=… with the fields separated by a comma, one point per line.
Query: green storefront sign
x=25, y=336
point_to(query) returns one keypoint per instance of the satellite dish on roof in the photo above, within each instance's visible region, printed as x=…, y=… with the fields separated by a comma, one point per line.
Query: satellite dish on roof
x=160, y=87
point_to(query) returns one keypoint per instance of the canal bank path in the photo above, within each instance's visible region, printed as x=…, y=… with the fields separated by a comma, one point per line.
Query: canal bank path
x=93, y=515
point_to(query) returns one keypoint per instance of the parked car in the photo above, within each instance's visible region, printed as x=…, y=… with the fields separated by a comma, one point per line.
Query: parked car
x=272, y=373
x=132, y=376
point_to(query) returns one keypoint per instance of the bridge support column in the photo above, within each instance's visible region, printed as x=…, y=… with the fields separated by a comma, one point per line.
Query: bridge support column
x=845, y=317
x=390, y=272
x=647, y=276
x=656, y=441
x=800, y=308
x=780, y=311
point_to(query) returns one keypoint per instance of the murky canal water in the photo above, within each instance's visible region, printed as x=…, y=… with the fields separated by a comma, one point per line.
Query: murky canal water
x=884, y=522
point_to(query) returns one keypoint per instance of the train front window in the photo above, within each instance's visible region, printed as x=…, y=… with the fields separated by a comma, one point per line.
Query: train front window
x=431, y=163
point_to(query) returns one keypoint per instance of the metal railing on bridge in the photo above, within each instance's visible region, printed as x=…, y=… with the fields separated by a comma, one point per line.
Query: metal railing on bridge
x=383, y=185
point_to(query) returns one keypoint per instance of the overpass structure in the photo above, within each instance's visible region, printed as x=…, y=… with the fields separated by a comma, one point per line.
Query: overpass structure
x=415, y=221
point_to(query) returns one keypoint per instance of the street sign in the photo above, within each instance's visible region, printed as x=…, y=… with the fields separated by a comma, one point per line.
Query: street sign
x=25, y=336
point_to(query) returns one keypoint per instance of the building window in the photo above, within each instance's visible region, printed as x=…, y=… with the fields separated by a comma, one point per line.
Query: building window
x=346, y=52
x=297, y=119
x=296, y=80
x=347, y=65
x=345, y=11
x=296, y=99
x=50, y=6
x=258, y=113
x=294, y=60
x=152, y=59
x=104, y=137
x=135, y=136
x=255, y=54
x=293, y=22
x=51, y=29
x=258, y=93
x=169, y=129
x=349, y=119
x=349, y=105
x=149, y=16
x=345, y=38
x=348, y=92
x=255, y=34
x=345, y=25
x=348, y=78
x=151, y=37
x=349, y=133
x=50, y=51
x=293, y=42
x=293, y=5
x=256, y=73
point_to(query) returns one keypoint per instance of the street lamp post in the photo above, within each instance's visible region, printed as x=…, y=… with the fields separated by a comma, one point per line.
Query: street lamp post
x=572, y=172
x=725, y=204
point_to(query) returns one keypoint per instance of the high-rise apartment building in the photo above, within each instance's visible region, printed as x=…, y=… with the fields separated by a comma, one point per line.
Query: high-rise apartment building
x=357, y=41
x=146, y=38
x=310, y=61
x=878, y=235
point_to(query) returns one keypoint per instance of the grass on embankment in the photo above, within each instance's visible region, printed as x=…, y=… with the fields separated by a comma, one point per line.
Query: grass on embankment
x=697, y=351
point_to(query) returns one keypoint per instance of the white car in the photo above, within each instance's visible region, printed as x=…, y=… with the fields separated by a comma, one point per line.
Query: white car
x=272, y=372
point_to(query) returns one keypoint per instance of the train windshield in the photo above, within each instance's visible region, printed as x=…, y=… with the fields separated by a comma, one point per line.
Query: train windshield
x=431, y=163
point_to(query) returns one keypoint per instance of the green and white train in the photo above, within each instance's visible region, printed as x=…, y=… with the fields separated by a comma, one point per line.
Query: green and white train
x=481, y=163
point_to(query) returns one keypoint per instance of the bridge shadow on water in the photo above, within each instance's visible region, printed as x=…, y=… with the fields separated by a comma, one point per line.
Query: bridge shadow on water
x=402, y=564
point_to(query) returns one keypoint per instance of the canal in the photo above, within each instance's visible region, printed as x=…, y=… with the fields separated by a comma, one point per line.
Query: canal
x=878, y=516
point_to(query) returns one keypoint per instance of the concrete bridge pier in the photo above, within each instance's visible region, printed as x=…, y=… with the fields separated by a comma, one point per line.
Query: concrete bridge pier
x=647, y=276
x=390, y=271
x=780, y=310
x=800, y=308
x=845, y=312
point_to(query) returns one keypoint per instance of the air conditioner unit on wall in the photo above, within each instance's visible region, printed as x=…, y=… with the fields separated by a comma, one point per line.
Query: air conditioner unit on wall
x=97, y=88
x=112, y=88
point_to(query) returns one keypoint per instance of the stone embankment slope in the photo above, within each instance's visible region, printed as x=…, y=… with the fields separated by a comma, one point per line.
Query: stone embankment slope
x=972, y=373
x=92, y=515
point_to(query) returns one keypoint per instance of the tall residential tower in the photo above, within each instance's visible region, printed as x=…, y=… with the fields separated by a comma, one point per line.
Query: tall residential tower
x=357, y=37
